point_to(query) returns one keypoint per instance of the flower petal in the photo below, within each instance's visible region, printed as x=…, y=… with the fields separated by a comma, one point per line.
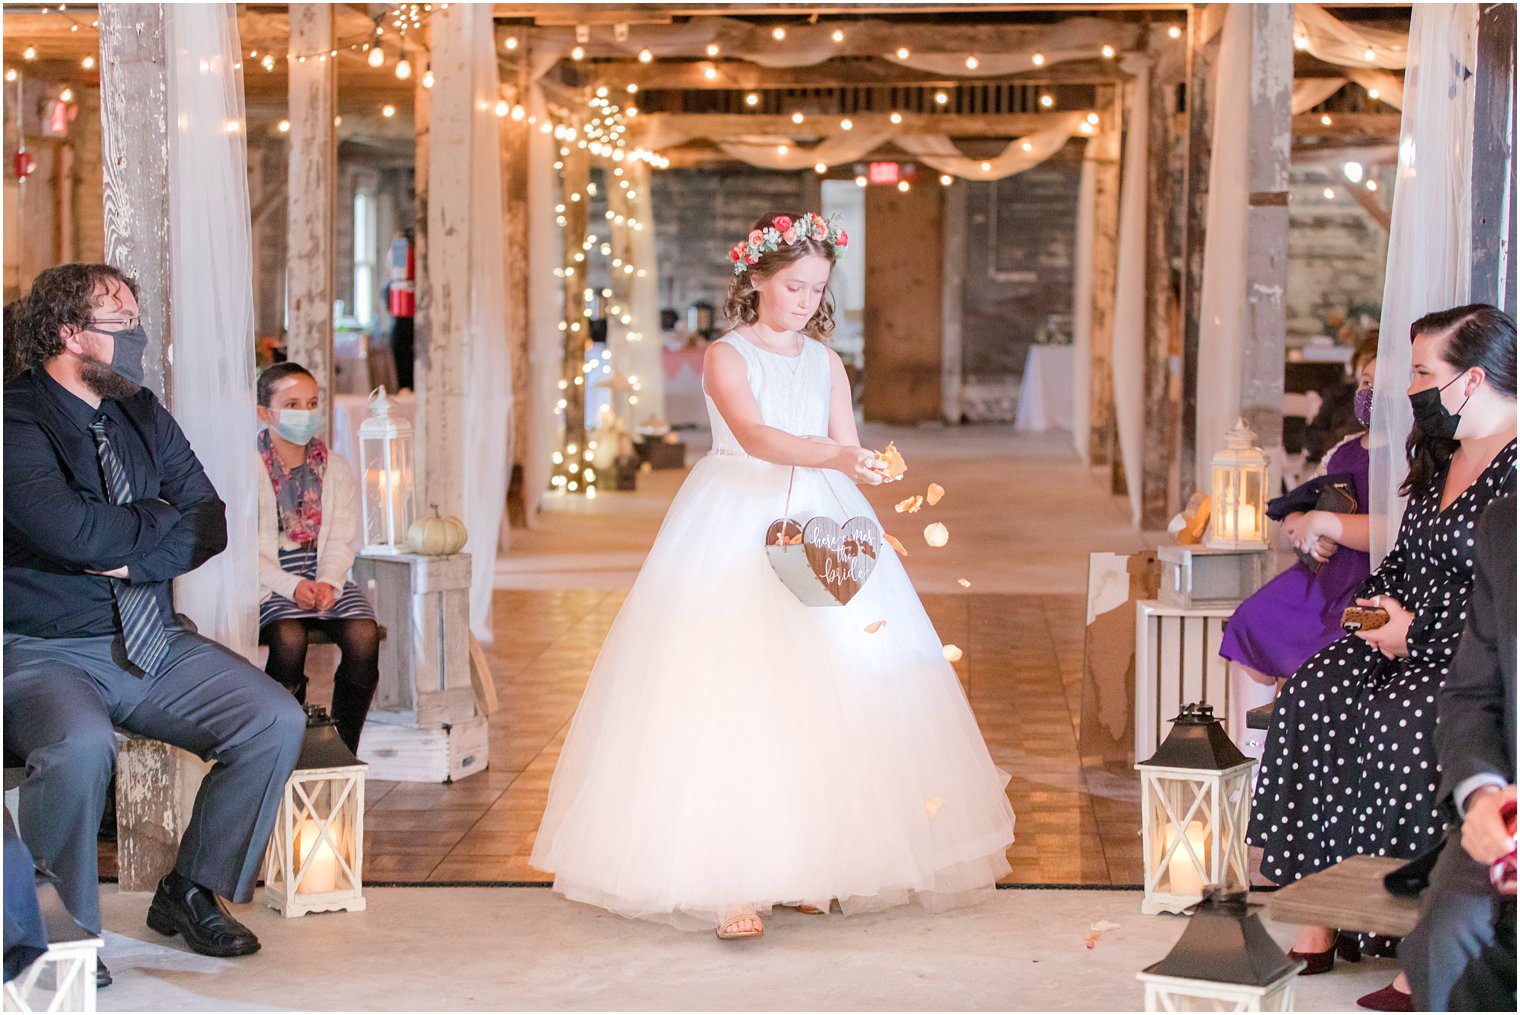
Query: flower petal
x=935, y=493
x=953, y=653
x=911, y=505
x=931, y=807
x=935, y=534
x=875, y=625
x=902, y=551
x=963, y=583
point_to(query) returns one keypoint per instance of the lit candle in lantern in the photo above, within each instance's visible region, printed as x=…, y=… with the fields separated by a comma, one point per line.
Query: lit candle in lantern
x=1181, y=870
x=322, y=875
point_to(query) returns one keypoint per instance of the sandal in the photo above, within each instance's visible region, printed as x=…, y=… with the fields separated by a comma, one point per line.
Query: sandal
x=725, y=930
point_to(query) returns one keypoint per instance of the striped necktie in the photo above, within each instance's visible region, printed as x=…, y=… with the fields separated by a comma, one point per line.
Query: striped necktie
x=142, y=623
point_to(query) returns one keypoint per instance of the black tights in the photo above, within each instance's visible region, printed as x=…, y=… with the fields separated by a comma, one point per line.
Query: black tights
x=359, y=671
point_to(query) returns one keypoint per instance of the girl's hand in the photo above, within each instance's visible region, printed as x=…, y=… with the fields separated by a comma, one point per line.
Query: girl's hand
x=859, y=464
x=1392, y=639
x=326, y=597
x=1316, y=533
x=306, y=594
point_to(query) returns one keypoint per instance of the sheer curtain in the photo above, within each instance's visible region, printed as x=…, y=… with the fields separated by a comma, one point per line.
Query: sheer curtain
x=1129, y=285
x=1430, y=238
x=545, y=309
x=211, y=304
x=1081, y=306
x=1222, y=303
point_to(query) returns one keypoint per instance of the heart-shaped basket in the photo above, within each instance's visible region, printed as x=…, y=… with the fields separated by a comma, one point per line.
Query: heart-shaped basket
x=823, y=562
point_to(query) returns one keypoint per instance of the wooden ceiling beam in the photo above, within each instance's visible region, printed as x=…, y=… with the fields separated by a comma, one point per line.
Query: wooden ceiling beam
x=1372, y=125
x=720, y=126
x=733, y=75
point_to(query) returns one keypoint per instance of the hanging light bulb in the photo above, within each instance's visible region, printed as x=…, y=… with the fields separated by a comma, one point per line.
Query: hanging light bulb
x=846, y=124
x=403, y=69
x=941, y=98
x=860, y=181
x=896, y=117
x=578, y=53
x=387, y=110
x=427, y=78
x=29, y=53
x=1175, y=32
x=838, y=36
x=376, y=57
x=503, y=107
x=902, y=52
x=972, y=63
x=645, y=56
x=710, y=73
x=820, y=168
x=10, y=75
x=510, y=42
x=712, y=49
x=1108, y=52
x=945, y=179
x=902, y=185
x=88, y=63
x=796, y=117
x=1369, y=55
x=283, y=126
x=752, y=99
x=1047, y=101
x=778, y=33
x=67, y=95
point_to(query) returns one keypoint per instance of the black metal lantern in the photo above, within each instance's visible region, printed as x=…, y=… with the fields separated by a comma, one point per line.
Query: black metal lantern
x=1224, y=961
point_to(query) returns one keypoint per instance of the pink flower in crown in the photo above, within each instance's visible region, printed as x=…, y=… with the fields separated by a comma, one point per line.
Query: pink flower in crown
x=789, y=235
x=755, y=238
x=782, y=224
x=752, y=259
x=820, y=231
x=843, y=241
x=736, y=253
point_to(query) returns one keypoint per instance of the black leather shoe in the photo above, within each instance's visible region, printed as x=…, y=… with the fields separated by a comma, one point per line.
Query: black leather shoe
x=180, y=906
x=102, y=974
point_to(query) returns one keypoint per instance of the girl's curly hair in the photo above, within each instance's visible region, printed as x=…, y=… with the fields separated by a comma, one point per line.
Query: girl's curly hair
x=60, y=297
x=742, y=305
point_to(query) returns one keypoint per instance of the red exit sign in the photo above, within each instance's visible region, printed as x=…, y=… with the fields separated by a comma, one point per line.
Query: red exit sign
x=883, y=172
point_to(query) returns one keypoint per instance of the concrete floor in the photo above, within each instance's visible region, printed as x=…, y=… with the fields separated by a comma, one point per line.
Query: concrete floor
x=482, y=949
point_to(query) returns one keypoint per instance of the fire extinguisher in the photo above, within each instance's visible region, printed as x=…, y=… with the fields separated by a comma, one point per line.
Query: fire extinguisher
x=403, y=278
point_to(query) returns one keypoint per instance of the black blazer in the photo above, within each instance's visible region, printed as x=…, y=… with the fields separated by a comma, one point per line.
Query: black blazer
x=1476, y=734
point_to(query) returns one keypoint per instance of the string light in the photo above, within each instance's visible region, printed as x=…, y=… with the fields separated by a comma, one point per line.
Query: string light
x=1300, y=42
x=1047, y=100
x=1108, y=52
x=1175, y=32
x=902, y=185
x=752, y=99
x=1329, y=193
x=509, y=43
x=1373, y=93
x=820, y=168
x=29, y=53
x=838, y=36
x=283, y=126
x=846, y=124
x=972, y=63
x=1325, y=120
x=376, y=57
x=986, y=167
x=10, y=75
x=578, y=53
x=503, y=107
x=941, y=98
x=896, y=117
x=860, y=181
x=88, y=63
x=1369, y=55
x=712, y=49
x=387, y=110
x=710, y=73
x=945, y=179
x=778, y=33
x=1372, y=185
x=902, y=52
x=67, y=95
x=796, y=117
x=403, y=69
x=427, y=78
x=645, y=56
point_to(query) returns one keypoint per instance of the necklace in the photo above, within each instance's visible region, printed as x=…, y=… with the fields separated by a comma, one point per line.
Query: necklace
x=793, y=362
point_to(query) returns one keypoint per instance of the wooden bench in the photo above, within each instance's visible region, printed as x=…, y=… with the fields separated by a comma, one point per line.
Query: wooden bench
x=1349, y=896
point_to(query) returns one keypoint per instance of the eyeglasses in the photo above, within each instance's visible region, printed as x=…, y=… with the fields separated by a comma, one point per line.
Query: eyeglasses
x=130, y=322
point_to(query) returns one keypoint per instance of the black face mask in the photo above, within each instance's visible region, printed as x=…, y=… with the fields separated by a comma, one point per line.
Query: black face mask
x=1431, y=414
x=127, y=357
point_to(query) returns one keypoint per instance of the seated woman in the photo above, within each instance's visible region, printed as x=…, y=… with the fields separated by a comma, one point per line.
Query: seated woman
x=1296, y=614
x=307, y=521
x=1350, y=764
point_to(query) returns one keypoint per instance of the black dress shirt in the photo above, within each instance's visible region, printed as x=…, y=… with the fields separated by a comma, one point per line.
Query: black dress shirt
x=60, y=523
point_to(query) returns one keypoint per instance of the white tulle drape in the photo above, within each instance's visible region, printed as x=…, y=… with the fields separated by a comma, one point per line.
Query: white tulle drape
x=211, y=305
x=1430, y=238
x=545, y=310
x=1129, y=286
x=1222, y=302
x=1335, y=41
x=464, y=30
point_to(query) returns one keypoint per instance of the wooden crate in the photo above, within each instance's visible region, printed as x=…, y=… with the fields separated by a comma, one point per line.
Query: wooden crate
x=399, y=752
x=1176, y=662
x=424, y=605
x=1199, y=576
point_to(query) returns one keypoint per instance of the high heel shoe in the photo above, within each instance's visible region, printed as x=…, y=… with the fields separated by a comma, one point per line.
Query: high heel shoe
x=1390, y=998
x=1345, y=946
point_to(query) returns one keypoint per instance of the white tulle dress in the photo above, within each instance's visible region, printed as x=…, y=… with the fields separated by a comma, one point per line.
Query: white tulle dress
x=736, y=747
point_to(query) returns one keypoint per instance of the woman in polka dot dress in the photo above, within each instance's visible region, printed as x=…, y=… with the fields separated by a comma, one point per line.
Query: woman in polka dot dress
x=1350, y=763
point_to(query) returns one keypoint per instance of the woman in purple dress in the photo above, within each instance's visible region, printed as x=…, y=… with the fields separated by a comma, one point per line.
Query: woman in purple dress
x=1298, y=613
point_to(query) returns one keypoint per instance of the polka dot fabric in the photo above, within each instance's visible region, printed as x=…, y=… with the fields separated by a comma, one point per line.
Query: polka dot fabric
x=1350, y=766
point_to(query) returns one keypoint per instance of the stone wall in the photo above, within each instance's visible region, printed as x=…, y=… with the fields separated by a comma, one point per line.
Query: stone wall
x=699, y=214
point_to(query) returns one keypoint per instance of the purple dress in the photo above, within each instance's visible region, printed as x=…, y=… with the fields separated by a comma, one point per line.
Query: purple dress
x=1298, y=613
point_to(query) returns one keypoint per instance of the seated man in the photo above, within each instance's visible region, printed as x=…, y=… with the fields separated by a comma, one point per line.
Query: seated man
x=1461, y=955
x=104, y=504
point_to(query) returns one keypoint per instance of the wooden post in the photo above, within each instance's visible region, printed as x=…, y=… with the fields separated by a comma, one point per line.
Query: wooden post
x=1493, y=160
x=440, y=360
x=134, y=132
x=1204, y=34
x=1158, y=460
x=577, y=174
x=1105, y=255
x=903, y=360
x=310, y=203
x=953, y=284
x=422, y=319
x=514, y=163
x=1268, y=157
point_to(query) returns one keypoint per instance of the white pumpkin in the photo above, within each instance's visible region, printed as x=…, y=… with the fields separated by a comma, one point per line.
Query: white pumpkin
x=438, y=536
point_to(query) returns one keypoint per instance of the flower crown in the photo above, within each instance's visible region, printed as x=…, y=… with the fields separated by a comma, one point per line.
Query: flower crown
x=783, y=232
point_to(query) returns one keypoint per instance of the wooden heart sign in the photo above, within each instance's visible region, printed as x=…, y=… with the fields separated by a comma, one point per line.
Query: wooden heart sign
x=823, y=562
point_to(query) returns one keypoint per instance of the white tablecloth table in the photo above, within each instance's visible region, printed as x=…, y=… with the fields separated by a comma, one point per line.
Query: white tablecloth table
x=1045, y=392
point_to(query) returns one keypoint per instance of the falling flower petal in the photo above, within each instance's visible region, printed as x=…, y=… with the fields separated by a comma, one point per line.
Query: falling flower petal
x=931, y=807
x=1104, y=926
x=935, y=493
x=1090, y=939
x=935, y=534
x=911, y=505
x=963, y=583
x=953, y=653
x=902, y=551
x=892, y=462
x=875, y=625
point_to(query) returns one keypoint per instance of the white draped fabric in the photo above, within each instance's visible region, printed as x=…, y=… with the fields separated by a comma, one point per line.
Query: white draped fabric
x=1023, y=153
x=211, y=303
x=1430, y=238
x=1129, y=286
x=1222, y=303
x=1386, y=87
x=643, y=355
x=545, y=309
x=782, y=152
x=463, y=38
x=1334, y=41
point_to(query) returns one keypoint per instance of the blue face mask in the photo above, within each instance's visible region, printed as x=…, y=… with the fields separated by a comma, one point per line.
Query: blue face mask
x=298, y=426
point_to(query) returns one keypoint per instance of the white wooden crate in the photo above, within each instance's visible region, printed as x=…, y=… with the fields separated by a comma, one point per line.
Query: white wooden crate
x=1177, y=661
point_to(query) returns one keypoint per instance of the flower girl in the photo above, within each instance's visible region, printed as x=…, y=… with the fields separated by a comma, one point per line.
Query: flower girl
x=737, y=749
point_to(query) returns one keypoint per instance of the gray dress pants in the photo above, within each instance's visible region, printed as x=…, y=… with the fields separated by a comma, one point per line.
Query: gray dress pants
x=1457, y=917
x=62, y=697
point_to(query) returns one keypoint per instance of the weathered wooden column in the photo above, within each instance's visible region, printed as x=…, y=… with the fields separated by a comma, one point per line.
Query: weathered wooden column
x=952, y=371
x=1204, y=33
x=1105, y=262
x=1493, y=160
x=1269, y=155
x=312, y=198
x=514, y=229
x=134, y=131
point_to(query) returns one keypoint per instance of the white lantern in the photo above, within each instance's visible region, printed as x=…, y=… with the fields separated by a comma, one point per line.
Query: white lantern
x=315, y=860
x=1238, y=517
x=1224, y=961
x=386, y=457
x=1195, y=801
